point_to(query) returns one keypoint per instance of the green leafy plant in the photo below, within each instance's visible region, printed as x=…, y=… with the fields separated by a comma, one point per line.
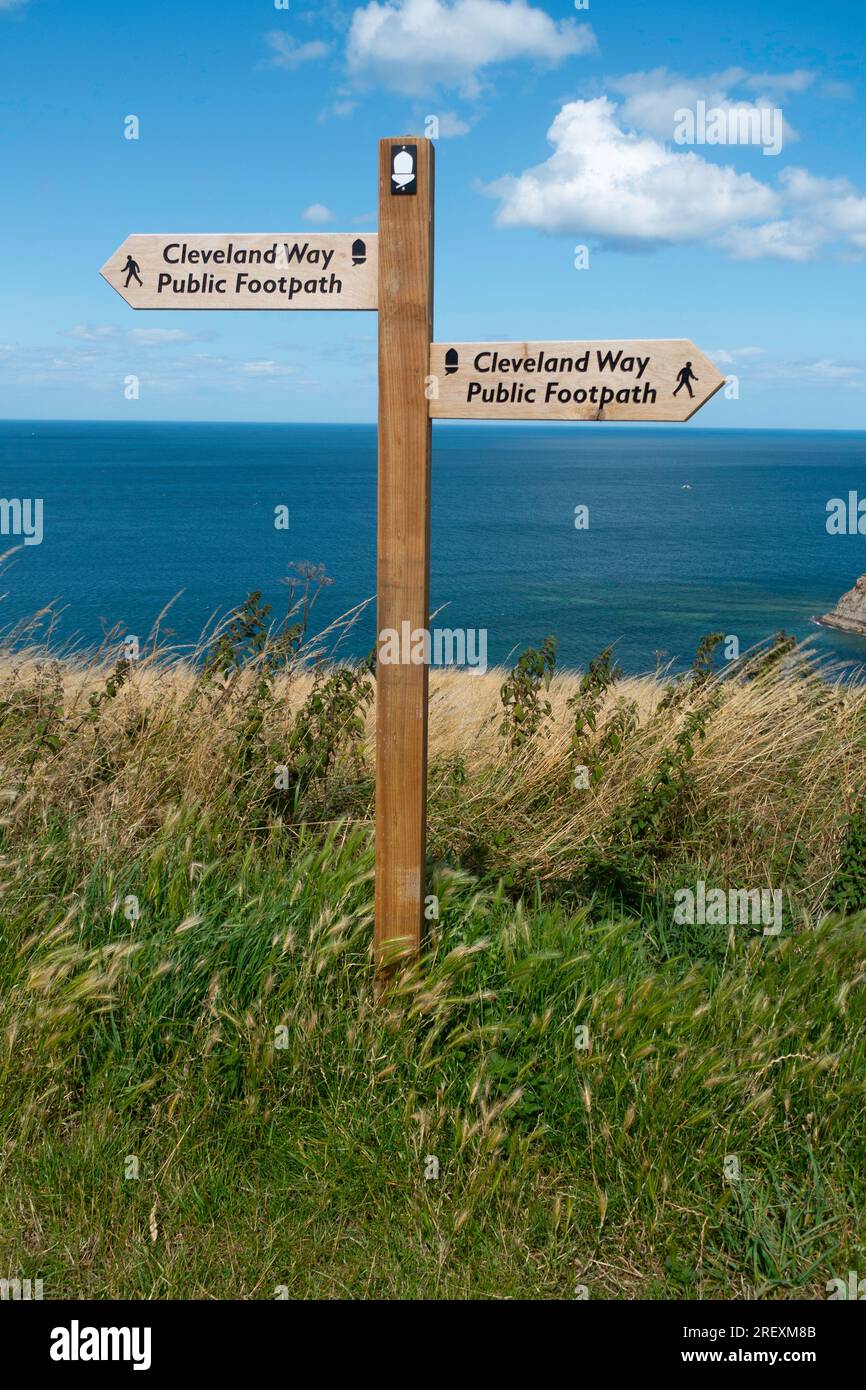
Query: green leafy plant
x=250, y=641
x=586, y=704
x=702, y=669
x=847, y=892
x=620, y=724
x=647, y=820
x=764, y=662
x=522, y=694
x=329, y=725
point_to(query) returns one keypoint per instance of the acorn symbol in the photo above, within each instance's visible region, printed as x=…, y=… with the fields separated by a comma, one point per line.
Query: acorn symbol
x=452, y=361
x=403, y=169
x=359, y=252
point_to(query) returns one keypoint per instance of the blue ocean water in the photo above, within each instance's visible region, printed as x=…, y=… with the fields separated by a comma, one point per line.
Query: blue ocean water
x=135, y=512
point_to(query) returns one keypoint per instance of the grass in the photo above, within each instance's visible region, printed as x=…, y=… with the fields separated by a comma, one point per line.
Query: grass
x=201, y=1097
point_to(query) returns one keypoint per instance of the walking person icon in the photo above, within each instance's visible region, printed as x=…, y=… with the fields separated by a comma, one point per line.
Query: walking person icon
x=132, y=268
x=685, y=377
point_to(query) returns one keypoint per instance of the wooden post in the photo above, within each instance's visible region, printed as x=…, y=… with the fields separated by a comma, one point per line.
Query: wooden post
x=405, y=335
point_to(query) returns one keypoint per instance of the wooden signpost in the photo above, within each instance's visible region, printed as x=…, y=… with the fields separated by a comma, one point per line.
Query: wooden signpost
x=405, y=333
x=419, y=381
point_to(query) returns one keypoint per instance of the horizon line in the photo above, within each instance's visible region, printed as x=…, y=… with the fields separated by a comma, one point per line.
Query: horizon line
x=627, y=425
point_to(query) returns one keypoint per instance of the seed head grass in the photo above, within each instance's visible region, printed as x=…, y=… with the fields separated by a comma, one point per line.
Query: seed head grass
x=203, y=1093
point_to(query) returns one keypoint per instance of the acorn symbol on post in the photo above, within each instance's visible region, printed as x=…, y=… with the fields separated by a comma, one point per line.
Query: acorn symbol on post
x=452, y=361
x=402, y=171
x=359, y=252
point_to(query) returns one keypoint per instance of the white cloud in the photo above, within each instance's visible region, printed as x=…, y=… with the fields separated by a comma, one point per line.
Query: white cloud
x=652, y=99
x=317, y=212
x=450, y=124
x=825, y=372
x=290, y=54
x=729, y=356
x=109, y=333
x=774, y=371
x=788, y=239
x=624, y=187
x=632, y=190
x=92, y=332
x=773, y=84
x=416, y=46
x=837, y=91
x=101, y=363
x=833, y=204
x=153, y=337
x=12, y=4
x=269, y=368
x=824, y=213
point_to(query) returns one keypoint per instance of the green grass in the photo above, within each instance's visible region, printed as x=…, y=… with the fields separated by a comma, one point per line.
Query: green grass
x=304, y=1165
x=282, y=1118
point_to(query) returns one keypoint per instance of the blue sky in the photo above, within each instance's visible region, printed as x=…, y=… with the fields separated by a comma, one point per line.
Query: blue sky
x=558, y=128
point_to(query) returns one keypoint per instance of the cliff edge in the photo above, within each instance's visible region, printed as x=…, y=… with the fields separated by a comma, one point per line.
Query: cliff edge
x=849, y=615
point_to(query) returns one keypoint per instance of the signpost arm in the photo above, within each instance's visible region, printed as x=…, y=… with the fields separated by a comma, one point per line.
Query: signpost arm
x=405, y=334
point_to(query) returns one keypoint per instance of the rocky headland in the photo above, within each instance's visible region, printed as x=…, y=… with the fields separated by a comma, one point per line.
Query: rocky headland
x=849, y=614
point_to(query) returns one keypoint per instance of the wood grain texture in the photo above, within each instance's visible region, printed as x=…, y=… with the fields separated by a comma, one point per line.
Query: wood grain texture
x=220, y=270
x=534, y=381
x=405, y=332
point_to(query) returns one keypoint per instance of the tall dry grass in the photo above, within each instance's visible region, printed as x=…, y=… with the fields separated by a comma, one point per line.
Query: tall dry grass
x=781, y=765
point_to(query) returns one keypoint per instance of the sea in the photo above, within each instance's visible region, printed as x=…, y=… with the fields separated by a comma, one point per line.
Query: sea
x=646, y=538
